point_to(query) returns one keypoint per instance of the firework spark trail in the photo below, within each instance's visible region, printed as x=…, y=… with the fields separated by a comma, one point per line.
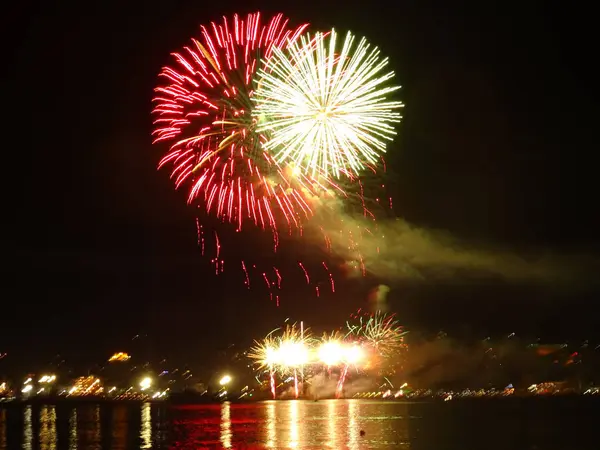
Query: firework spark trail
x=272, y=382
x=200, y=234
x=278, y=277
x=325, y=108
x=247, y=281
x=327, y=239
x=305, y=272
x=267, y=282
x=340, y=386
x=330, y=277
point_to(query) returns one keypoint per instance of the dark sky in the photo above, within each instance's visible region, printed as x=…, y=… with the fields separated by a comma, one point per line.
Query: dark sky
x=496, y=146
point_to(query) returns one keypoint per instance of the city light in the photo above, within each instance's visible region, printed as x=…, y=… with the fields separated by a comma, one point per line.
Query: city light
x=86, y=386
x=27, y=388
x=120, y=357
x=47, y=379
x=225, y=380
x=145, y=383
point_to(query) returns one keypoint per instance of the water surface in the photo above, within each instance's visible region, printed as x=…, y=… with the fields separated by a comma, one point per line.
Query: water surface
x=333, y=424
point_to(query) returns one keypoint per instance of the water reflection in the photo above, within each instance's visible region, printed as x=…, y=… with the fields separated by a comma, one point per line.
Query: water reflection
x=73, y=430
x=331, y=410
x=94, y=434
x=294, y=423
x=2, y=429
x=146, y=428
x=353, y=431
x=271, y=425
x=47, y=428
x=27, y=429
x=226, y=425
x=119, y=427
x=333, y=424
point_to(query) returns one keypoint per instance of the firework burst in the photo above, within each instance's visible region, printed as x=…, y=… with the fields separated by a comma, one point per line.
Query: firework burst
x=204, y=111
x=379, y=331
x=325, y=109
x=285, y=351
x=370, y=345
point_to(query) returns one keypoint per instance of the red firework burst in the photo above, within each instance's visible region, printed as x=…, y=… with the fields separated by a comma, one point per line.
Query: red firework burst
x=204, y=111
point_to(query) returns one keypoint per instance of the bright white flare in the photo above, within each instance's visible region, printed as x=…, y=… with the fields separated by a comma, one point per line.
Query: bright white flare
x=326, y=110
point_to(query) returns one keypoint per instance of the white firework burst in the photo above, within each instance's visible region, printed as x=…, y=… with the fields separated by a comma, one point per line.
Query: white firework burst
x=323, y=110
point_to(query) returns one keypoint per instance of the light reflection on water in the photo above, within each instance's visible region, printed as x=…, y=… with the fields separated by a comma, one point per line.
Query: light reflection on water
x=73, y=430
x=27, y=429
x=146, y=431
x=271, y=425
x=48, y=428
x=326, y=424
x=293, y=415
x=120, y=427
x=2, y=429
x=274, y=424
x=353, y=431
x=226, y=425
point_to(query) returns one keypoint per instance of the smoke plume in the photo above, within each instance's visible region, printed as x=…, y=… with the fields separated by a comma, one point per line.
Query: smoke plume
x=394, y=249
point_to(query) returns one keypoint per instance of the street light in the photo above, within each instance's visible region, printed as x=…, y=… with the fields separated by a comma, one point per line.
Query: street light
x=225, y=380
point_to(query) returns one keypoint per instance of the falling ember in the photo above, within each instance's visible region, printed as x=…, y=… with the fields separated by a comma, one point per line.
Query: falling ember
x=305, y=272
x=200, y=233
x=218, y=242
x=247, y=281
x=278, y=277
x=276, y=240
x=266, y=280
x=330, y=277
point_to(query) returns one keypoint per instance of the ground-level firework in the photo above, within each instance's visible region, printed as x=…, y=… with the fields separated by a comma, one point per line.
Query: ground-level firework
x=293, y=352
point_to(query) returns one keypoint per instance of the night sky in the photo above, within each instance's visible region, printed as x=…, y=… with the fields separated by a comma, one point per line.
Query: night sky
x=496, y=148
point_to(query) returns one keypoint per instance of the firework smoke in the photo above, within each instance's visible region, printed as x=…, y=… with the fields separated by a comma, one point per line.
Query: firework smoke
x=396, y=250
